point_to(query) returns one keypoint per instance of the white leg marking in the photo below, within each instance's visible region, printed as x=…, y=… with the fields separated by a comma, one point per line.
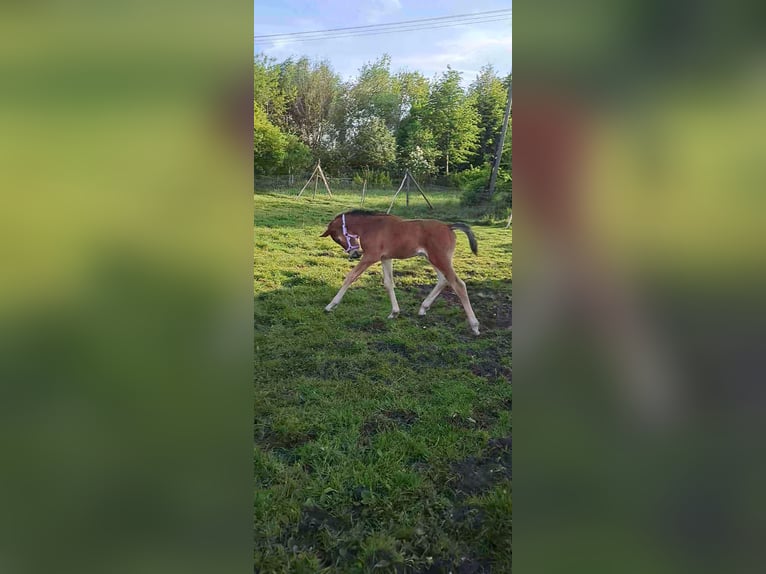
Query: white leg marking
x=459, y=286
x=441, y=283
x=350, y=278
x=388, y=281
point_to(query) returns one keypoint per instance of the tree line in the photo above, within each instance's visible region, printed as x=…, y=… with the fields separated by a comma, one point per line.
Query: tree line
x=379, y=121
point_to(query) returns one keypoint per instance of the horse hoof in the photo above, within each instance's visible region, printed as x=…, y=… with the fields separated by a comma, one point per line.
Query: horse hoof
x=422, y=312
x=393, y=315
x=329, y=308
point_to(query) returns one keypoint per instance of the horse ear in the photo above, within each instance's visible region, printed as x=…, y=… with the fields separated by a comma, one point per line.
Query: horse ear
x=326, y=233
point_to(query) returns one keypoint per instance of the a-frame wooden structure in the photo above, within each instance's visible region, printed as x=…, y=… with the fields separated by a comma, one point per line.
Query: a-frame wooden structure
x=406, y=180
x=315, y=175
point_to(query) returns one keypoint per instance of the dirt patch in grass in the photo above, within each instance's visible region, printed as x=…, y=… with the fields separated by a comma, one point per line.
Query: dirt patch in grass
x=384, y=421
x=489, y=365
x=474, y=475
x=269, y=439
x=398, y=273
x=303, y=537
x=391, y=347
x=313, y=518
x=503, y=318
x=493, y=309
x=469, y=516
x=374, y=325
x=481, y=418
x=459, y=421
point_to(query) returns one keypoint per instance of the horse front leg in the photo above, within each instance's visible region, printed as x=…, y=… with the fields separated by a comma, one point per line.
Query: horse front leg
x=352, y=276
x=388, y=282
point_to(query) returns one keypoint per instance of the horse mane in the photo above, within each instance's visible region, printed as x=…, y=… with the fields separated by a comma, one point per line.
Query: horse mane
x=364, y=212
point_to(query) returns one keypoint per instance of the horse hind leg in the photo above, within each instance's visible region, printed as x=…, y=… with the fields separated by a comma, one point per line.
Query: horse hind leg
x=441, y=283
x=458, y=285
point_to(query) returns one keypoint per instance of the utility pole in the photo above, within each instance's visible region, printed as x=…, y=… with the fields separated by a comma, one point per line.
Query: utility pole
x=499, y=153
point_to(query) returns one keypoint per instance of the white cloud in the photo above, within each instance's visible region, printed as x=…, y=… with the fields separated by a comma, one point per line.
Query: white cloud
x=466, y=52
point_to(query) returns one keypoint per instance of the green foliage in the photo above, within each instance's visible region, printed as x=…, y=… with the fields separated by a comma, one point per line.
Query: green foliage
x=372, y=145
x=420, y=160
x=376, y=94
x=266, y=91
x=417, y=147
x=269, y=144
x=475, y=186
x=297, y=157
x=414, y=93
x=379, y=121
x=452, y=119
x=275, y=152
x=474, y=183
x=311, y=90
x=489, y=95
x=375, y=178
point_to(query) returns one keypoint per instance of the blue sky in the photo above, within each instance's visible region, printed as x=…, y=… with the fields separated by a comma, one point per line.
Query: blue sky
x=465, y=48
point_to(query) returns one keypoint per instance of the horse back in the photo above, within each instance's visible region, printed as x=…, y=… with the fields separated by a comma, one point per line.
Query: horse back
x=404, y=238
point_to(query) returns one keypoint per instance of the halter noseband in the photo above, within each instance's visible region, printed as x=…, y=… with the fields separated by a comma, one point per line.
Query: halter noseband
x=351, y=247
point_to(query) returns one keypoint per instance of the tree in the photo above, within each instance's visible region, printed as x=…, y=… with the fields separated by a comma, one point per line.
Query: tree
x=266, y=90
x=413, y=96
x=297, y=156
x=310, y=91
x=373, y=145
x=417, y=147
x=452, y=119
x=269, y=144
x=376, y=94
x=489, y=95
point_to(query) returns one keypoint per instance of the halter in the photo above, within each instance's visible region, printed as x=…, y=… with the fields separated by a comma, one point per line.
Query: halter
x=349, y=236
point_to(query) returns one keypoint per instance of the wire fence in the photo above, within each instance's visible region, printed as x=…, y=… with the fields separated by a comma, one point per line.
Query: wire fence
x=288, y=183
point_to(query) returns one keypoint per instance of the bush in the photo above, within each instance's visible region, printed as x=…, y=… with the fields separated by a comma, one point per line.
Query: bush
x=382, y=179
x=474, y=183
x=375, y=178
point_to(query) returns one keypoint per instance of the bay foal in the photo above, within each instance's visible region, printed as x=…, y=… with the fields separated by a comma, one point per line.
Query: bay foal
x=381, y=237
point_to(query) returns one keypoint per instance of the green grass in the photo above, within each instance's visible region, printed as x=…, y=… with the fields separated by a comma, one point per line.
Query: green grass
x=380, y=445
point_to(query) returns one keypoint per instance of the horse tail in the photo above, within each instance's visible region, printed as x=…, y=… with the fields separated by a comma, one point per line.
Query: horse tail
x=471, y=237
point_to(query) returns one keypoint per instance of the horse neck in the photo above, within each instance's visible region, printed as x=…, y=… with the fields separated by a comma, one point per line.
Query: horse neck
x=358, y=224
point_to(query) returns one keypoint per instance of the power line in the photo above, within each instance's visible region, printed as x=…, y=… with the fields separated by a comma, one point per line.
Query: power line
x=374, y=33
x=391, y=31
x=405, y=25
x=377, y=26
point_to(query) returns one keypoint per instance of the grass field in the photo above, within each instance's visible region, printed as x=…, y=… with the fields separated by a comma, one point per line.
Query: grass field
x=380, y=445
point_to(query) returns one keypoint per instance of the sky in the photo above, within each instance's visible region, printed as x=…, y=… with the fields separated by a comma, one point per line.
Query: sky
x=465, y=48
